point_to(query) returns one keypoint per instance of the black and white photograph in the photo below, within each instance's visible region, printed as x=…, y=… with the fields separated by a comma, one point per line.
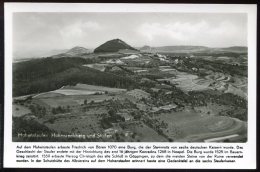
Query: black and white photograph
x=129, y=77
x=145, y=86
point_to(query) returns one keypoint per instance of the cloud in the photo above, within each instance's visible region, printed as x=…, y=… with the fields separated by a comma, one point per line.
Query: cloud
x=177, y=30
x=46, y=31
x=90, y=25
x=224, y=28
x=79, y=29
x=201, y=32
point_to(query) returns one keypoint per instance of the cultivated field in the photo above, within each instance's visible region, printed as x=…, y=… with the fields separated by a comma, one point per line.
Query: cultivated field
x=97, y=66
x=187, y=82
x=151, y=98
x=192, y=126
x=77, y=90
x=212, y=109
x=19, y=110
x=86, y=124
x=93, y=88
x=145, y=133
x=74, y=100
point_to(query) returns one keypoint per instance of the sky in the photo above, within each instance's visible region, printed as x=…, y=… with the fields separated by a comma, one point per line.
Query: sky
x=51, y=31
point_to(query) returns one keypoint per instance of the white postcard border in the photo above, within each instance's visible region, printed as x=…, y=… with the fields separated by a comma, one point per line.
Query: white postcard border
x=249, y=160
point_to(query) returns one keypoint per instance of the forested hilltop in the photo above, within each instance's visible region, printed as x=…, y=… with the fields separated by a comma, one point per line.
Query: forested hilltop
x=46, y=74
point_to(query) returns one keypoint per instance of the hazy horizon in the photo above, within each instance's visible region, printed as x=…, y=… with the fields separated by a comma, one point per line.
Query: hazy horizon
x=42, y=32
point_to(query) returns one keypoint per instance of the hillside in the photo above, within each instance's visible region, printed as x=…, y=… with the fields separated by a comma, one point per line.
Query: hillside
x=179, y=48
x=113, y=46
x=74, y=52
x=235, y=49
x=77, y=50
x=48, y=74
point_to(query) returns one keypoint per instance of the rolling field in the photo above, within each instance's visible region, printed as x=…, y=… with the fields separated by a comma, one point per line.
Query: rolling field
x=188, y=82
x=237, y=128
x=180, y=116
x=63, y=102
x=145, y=133
x=48, y=95
x=69, y=92
x=167, y=69
x=228, y=84
x=79, y=89
x=74, y=100
x=219, y=81
x=86, y=124
x=87, y=87
x=237, y=91
x=212, y=108
x=191, y=126
x=100, y=67
x=76, y=95
x=95, y=111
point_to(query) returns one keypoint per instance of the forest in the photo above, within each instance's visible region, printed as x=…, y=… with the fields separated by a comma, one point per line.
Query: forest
x=49, y=74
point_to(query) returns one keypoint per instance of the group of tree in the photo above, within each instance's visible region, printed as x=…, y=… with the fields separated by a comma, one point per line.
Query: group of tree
x=59, y=109
x=37, y=110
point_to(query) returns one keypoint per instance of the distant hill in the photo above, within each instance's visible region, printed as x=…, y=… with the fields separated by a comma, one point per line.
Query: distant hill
x=74, y=52
x=37, y=53
x=77, y=50
x=146, y=48
x=235, y=49
x=193, y=49
x=114, y=45
x=178, y=49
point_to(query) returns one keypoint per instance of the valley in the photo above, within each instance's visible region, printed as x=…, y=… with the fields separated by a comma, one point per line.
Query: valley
x=118, y=93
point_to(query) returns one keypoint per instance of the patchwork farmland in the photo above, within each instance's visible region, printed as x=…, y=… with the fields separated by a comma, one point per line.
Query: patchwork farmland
x=132, y=96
